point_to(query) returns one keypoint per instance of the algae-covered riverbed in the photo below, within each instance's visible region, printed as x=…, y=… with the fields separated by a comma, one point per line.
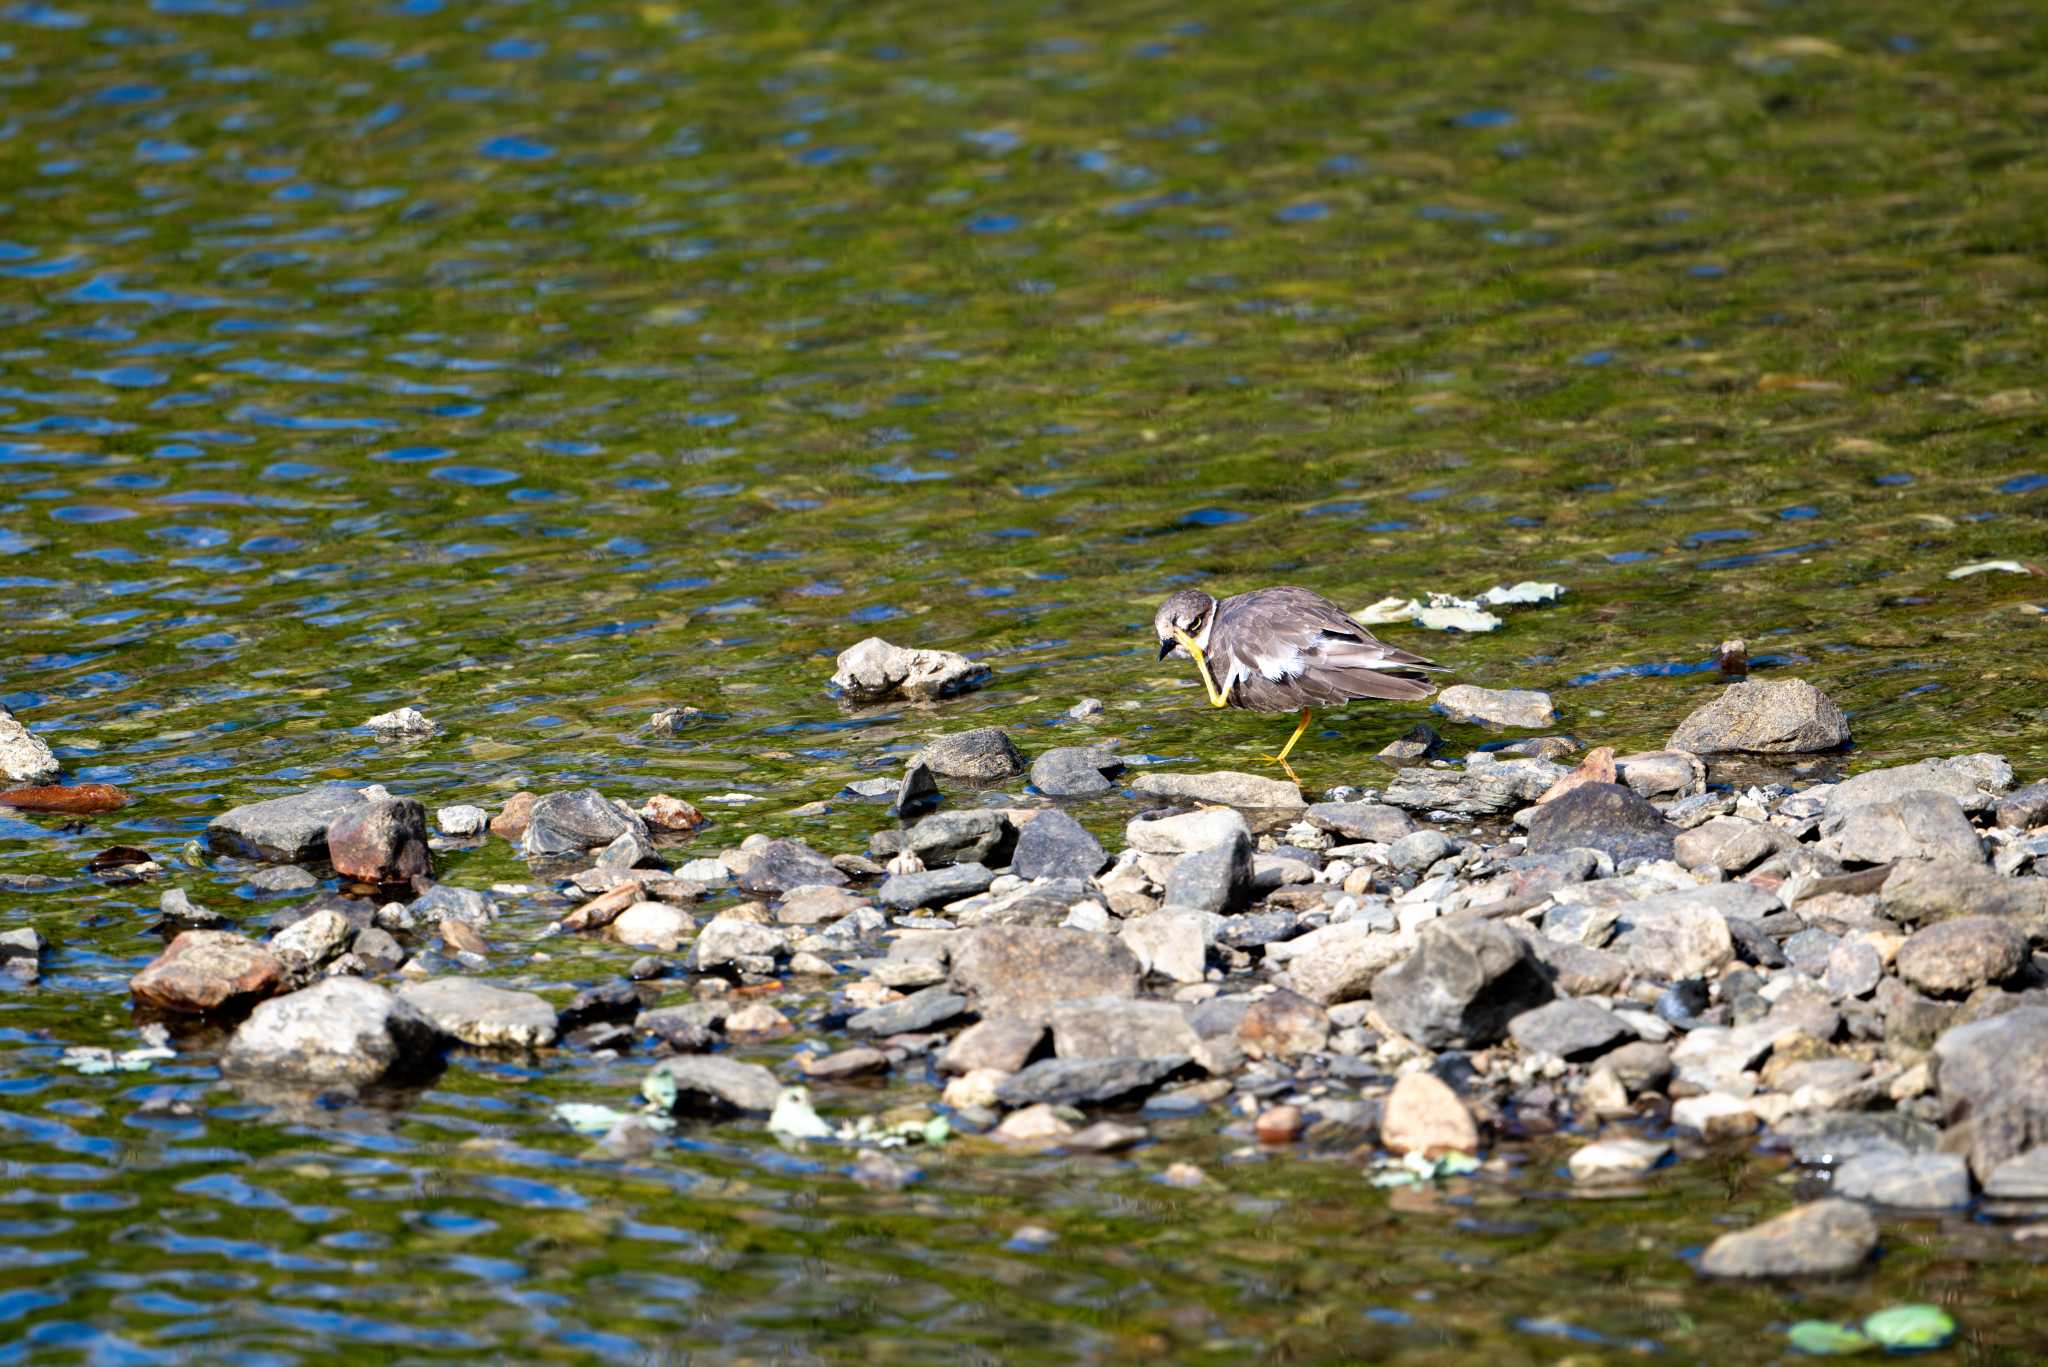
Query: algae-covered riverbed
x=543, y=365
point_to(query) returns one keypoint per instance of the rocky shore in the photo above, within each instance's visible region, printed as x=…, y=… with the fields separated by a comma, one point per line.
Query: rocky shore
x=1659, y=954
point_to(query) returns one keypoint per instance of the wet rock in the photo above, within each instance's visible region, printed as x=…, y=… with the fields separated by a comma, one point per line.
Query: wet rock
x=1914, y=1181
x=975, y=836
x=1823, y=1237
x=312, y=940
x=462, y=822
x=1360, y=821
x=712, y=1082
x=1085, y=710
x=1054, y=845
x=1075, y=771
x=1339, y=963
x=1778, y=717
x=859, y=1061
x=1919, y=891
x=607, y=1003
x=919, y=1011
x=780, y=865
x=652, y=925
x=480, y=1015
x=1120, y=1027
x=1974, y=781
x=934, y=887
x=1187, y=832
x=983, y=755
x=1001, y=1044
x=2025, y=808
x=24, y=758
x=404, y=722
x=729, y=940
x=679, y=1029
x=1611, y=1160
x=1484, y=787
x=2021, y=1178
x=1039, y=1124
x=338, y=1032
x=817, y=906
x=381, y=842
x=1419, y=742
x=1961, y=955
x=1423, y=1115
x=665, y=812
x=1021, y=971
x=1218, y=879
x=208, y=971
x=757, y=1021
x=1601, y=816
x=1172, y=942
x=873, y=671
x=1523, y=708
x=510, y=822
x=563, y=824
x=1085, y=1082
x=281, y=878
x=1572, y=1030
x=1222, y=786
x=288, y=830
x=1919, y=825
x=181, y=912
x=918, y=790
x=444, y=901
x=1279, y=1124
x=1461, y=986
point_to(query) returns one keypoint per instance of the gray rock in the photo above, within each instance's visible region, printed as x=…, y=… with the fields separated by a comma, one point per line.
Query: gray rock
x=312, y=940
x=1640, y=1066
x=1961, y=955
x=1075, y=771
x=1918, y=825
x=1809, y=950
x=1572, y=1030
x=1361, y=820
x=1601, y=816
x=338, y=1032
x=1661, y=773
x=729, y=940
x=1417, y=850
x=288, y=830
x=1999, y=1058
x=1419, y=742
x=920, y=1010
x=461, y=822
x=873, y=670
x=1339, y=963
x=1224, y=786
x=1914, y=1181
x=1218, y=879
x=1920, y=891
x=1080, y=1082
x=1684, y=934
x=934, y=887
x=1118, y=1027
x=715, y=1083
x=983, y=755
x=780, y=865
x=1578, y=970
x=1820, y=1238
x=1854, y=969
x=1973, y=784
x=384, y=841
x=377, y=951
x=2025, y=808
x=1463, y=984
x=1729, y=843
x=1054, y=845
x=918, y=790
x=1481, y=788
x=1834, y=1138
x=483, y=1016
x=1187, y=832
x=1778, y=717
x=1021, y=971
x=564, y=824
x=2020, y=1178
x=446, y=902
x=281, y=878
x=1171, y=942
x=1005, y=1045
x=24, y=758
x=977, y=835
x=1524, y=708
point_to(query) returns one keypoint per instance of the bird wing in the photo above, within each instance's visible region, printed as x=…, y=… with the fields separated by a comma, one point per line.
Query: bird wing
x=1287, y=647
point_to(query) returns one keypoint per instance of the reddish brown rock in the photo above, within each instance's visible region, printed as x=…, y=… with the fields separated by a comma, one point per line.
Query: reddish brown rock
x=1279, y=1125
x=381, y=842
x=81, y=799
x=1596, y=767
x=510, y=822
x=208, y=970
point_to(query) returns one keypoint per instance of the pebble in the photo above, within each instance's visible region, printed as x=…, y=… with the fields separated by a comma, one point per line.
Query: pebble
x=1423, y=1115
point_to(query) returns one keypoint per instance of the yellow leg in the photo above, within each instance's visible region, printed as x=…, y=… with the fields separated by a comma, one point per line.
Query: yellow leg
x=1281, y=758
x=1217, y=698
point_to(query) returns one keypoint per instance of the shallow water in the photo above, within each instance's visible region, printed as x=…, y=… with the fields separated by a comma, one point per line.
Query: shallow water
x=542, y=365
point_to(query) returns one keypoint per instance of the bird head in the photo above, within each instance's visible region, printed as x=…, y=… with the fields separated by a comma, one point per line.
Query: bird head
x=1185, y=615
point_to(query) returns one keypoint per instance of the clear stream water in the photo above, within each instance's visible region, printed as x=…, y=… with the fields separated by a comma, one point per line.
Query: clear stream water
x=544, y=364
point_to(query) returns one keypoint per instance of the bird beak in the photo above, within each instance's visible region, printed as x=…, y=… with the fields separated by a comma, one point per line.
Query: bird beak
x=1166, y=647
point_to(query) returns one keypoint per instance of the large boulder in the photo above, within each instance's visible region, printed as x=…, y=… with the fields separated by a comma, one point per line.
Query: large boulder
x=287, y=830
x=1186, y=832
x=384, y=841
x=24, y=758
x=1463, y=984
x=1119, y=1027
x=1601, y=816
x=1361, y=820
x=1775, y=717
x=1023, y=971
x=873, y=671
x=208, y=970
x=338, y=1032
x=1924, y=891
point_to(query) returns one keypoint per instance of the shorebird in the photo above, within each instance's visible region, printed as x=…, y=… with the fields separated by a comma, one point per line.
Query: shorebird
x=1273, y=650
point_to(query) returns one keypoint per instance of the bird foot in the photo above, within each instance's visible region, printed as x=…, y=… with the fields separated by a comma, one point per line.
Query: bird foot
x=1281, y=760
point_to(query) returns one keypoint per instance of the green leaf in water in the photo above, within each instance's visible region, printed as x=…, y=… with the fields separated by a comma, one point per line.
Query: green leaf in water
x=1823, y=1339
x=1910, y=1327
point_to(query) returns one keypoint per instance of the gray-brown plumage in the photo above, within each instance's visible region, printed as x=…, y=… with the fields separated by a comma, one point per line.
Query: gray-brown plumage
x=1274, y=650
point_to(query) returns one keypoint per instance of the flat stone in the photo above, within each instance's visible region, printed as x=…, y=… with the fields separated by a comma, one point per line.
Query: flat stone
x=1361, y=820
x=1818, y=1239
x=1082, y=1082
x=560, y=825
x=1339, y=963
x=1715, y=1116
x=1478, y=789
x=1075, y=771
x=1915, y=1181
x=1172, y=942
x=934, y=887
x=874, y=670
x=1973, y=785
x=1023, y=971
x=1610, y=1160
x=1601, y=816
x=1524, y=708
x=1729, y=843
x=481, y=1015
x=1961, y=955
x=1572, y=1030
x=1054, y=845
x=920, y=1011
x=1002, y=1044
x=338, y=1032
x=1918, y=825
x=1423, y=1115
x=1119, y=1027
x=24, y=758
x=287, y=830
x=1918, y=891
x=1463, y=984
x=716, y=1083
x=2020, y=1178
x=780, y=865
x=728, y=939
x=976, y=835
x=816, y=904
x=1222, y=786
x=1774, y=717
x=1661, y=773
x=208, y=971
x=983, y=755
x=1186, y=832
